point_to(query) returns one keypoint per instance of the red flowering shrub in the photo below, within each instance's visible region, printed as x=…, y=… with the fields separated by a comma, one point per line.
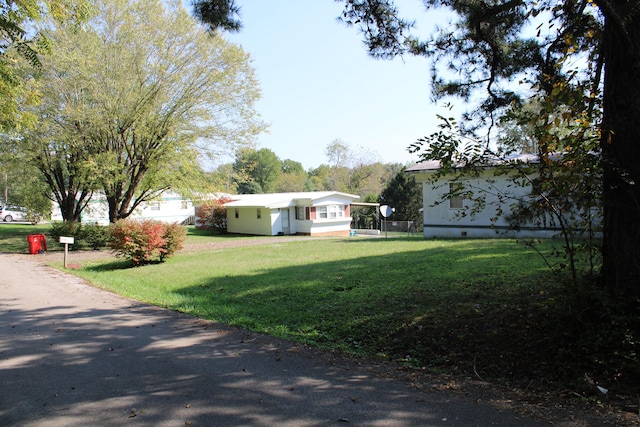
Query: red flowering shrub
x=174, y=235
x=145, y=240
x=213, y=214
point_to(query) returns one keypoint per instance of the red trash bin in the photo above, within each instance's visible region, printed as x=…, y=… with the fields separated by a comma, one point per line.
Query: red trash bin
x=37, y=243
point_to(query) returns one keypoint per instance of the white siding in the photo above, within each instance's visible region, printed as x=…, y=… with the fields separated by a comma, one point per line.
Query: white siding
x=277, y=203
x=441, y=221
x=320, y=227
x=248, y=222
x=169, y=208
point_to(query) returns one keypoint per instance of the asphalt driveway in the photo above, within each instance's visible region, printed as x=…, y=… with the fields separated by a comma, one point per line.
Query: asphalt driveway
x=73, y=355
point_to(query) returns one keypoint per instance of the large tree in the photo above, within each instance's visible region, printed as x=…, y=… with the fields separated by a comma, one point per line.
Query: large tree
x=62, y=159
x=21, y=42
x=257, y=170
x=138, y=99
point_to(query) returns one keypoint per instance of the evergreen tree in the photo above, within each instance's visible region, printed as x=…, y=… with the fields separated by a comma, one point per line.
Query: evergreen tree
x=492, y=48
x=405, y=195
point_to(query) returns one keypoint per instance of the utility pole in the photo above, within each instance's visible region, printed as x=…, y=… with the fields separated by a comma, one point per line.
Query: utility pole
x=6, y=187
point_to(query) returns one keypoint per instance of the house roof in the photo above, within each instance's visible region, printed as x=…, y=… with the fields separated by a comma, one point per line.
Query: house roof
x=282, y=200
x=433, y=165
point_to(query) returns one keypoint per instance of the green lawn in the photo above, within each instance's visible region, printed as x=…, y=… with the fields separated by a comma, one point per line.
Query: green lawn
x=328, y=291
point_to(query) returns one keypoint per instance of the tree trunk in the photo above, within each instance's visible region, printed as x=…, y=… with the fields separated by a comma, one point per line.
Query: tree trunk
x=621, y=153
x=69, y=211
x=71, y=203
x=112, y=202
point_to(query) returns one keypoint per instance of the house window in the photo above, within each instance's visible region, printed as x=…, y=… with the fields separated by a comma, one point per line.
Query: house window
x=258, y=213
x=154, y=206
x=237, y=213
x=455, y=196
x=301, y=213
x=331, y=211
x=184, y=205
x=336, y=211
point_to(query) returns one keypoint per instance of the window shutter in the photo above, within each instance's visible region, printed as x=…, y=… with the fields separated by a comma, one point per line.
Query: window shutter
x=346, y=210
x=311, y=213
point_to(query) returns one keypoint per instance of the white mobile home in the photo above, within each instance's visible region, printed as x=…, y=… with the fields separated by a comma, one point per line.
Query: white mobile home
x=318, y=213
x=169, y=207
x=447, y=214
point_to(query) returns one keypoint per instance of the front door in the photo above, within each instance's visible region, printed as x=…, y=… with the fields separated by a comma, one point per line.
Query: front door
x=285, y=221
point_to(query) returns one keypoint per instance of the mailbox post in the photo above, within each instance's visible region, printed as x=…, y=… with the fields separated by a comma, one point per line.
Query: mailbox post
x=66, y=241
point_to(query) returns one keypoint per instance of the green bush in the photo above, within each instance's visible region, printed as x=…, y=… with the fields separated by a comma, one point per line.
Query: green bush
x=92, y=236
x=145, y=240
x=96, y=236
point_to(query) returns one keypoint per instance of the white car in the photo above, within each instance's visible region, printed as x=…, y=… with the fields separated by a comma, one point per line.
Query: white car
x=11, y=213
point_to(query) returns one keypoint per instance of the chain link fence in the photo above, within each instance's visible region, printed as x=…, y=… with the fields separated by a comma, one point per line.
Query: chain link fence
x=409, y=227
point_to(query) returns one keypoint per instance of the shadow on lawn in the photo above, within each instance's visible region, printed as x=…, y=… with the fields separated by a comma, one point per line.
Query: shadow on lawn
x=490, y=322
x=469, y=311
x=112, y=266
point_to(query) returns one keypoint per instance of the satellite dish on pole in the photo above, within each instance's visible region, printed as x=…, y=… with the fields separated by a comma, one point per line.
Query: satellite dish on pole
x=386, y=210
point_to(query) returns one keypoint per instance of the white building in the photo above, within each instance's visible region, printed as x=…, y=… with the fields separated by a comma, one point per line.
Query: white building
x=454, y=217
x=170, y=207
x=318, y=213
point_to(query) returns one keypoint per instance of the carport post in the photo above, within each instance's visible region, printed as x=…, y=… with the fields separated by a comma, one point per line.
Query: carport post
x=66, y=241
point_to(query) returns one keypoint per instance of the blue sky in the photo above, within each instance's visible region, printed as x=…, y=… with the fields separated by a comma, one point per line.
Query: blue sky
x=318, y=83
